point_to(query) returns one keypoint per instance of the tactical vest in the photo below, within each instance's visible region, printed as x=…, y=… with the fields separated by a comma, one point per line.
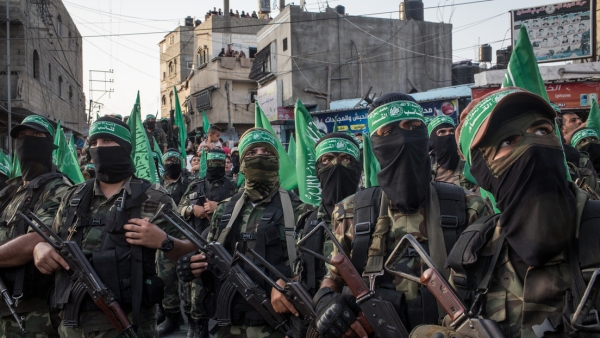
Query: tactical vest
x=472, y=272
x=180, y=188
x=268, y=245
x=127, y=270
x=26, y=281
x=202, y=192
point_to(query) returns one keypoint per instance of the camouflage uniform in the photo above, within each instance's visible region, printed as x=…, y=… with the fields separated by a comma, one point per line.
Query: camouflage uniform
x=402, y=224
x=249, y=217
x=35, y=310
x=455, y=176
x=193, y=292
x=95, y=323
x=157, y=137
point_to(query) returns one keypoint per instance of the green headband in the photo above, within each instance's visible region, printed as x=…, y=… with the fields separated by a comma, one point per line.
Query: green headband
x=394, y=112
x=439, y=120
x=89, y=166
x=476, y=117
x=257, y=136
x=150, y=116
x=581, y=134
x=171, y=154
x=41, y=121
x=215, y=156
x=337, y=145
x=107, y=127
x=427, y=120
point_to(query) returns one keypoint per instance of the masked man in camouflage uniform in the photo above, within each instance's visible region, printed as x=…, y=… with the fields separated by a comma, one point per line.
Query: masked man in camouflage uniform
x=40, y=190
x=446, y=163
x=108, y=216
x=197, y=206
x=261, y=196
x=534, y=252
x=175, y=182
x=156, y=136
x=435, y=213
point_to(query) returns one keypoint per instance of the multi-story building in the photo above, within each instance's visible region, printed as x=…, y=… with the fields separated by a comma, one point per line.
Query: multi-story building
x=176, y=53
x=219, y=84
x=327, y=56
x=46, y=65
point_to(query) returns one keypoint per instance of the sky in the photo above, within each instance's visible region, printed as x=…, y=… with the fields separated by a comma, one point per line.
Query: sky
x=123, y=36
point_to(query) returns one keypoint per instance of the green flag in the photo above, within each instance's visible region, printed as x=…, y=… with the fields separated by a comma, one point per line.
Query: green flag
x=15, y=170
x=205, y=123
x=309, y=187
x=292, y=149
x=287, y=169
x=203, y=165
x=593, y=121
x=335, y=127
x=141, y=154
x=180, y=123
x=5, y=164
x=370, y=164
x=64, y=158
x=522, y=70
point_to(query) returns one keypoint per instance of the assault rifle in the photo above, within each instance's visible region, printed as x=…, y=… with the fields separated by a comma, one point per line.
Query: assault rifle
x=12, y=307
x=377, y=315
x=228, y=276
x=84, y=277
x=585, y=318
x=474, y=327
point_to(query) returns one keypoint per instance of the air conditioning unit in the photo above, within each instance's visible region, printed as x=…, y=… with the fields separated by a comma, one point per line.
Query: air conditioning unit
x=190, y=65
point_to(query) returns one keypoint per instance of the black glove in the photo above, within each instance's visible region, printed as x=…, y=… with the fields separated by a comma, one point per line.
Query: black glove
x=335, y=312
x=184, y=269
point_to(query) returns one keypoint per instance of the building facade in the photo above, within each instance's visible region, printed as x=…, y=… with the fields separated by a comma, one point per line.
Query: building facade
x=176, y=54
x=46, y=65
x=326, y=56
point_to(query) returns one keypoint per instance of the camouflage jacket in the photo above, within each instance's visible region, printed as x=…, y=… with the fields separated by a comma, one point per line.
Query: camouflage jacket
x=455, y=176
x=171, y=186
x=92, y=237
x=328, y=245
x=518, y=306
x=214, y=186
x=157, y=137
x=402, y=224
x=45, y=208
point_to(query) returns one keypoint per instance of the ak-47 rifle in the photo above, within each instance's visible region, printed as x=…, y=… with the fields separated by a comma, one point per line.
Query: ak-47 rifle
x=83, y=275
x=585, y=318
x=474, y=327
x=377, y=315
x=229, y=277
x=12, y=307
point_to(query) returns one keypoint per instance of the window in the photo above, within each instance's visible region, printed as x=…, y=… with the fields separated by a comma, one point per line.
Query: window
x=164, y=100
x=171, y=97
x=171, y=39
x=252, y=52
x=202, y=55
x=171, y=68
x=284, y=44
x=36, y=65
x=49, y=72
x=60, y=84
x=164, y=75
x=267, y=63
x=59, y=26
x=70, y=93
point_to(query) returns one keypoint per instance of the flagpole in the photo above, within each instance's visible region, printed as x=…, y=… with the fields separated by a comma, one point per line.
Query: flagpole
x=8, y=77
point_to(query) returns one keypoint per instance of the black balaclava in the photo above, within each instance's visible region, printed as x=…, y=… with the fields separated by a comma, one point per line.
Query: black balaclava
x=215, y=167
x=405, y=174
x=338, y=180
x=445, y=148
x=173, y=170
x=530, y=187
x=113, y=164
x=592, y=148
x=34, y=155
x=165, y=126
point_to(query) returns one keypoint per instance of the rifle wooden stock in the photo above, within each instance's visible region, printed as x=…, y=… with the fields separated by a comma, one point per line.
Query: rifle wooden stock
x=350, y=275
x=442, y=292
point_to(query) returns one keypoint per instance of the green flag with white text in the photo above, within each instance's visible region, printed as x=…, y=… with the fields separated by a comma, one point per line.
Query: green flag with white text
x=141, y=154
x=180, y=123
x=292, y=149
x=5, y=164
x=309, y=187
x=370, y=164
x=287, y=168
x=205, y=123
x=64, y=158
x=203, y=164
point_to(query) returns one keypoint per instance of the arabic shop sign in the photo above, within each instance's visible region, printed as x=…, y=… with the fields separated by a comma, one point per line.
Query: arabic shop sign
x=354, y=121
x=441, y=108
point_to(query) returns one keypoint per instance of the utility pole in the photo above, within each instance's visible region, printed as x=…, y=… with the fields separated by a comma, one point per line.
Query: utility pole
x=328, y=87
x=229, y=124
x=362, y=94
x=104, y=90
x=8, y=77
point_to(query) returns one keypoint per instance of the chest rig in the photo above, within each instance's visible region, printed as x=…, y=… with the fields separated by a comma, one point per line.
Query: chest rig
x=201, y=192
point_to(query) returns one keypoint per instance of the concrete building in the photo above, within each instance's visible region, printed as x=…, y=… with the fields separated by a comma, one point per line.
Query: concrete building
x=176, y=54
x=46, y=65
x=217, y=80
x=326, y=56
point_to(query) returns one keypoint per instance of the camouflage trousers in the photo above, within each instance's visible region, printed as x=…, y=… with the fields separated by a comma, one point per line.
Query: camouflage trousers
x=193, y=294
x=37, y=324
x=167, y=271
x=147, y=329
x=243, y=331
